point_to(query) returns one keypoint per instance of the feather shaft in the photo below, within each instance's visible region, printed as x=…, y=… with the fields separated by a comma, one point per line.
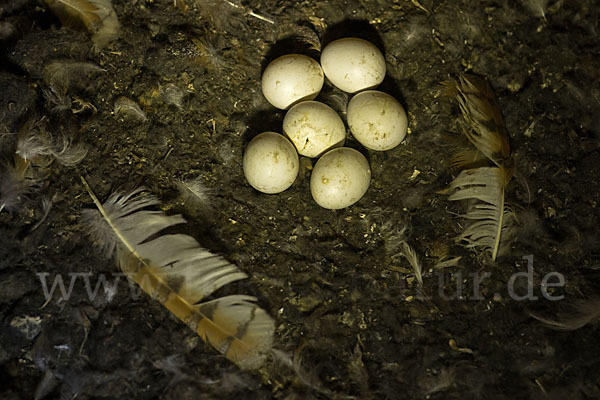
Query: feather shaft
x=499, y=226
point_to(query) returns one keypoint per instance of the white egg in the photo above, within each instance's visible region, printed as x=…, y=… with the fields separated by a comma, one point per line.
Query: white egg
x=291, y=78
x=270, y=163
x=340, y=178
x=353, y=64
x=314, y=128
x=377, y=120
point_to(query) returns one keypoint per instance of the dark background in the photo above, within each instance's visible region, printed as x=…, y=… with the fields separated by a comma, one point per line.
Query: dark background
x=347, y=309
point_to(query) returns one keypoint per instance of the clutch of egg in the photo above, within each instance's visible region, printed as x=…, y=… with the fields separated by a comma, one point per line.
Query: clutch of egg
x=378, y=121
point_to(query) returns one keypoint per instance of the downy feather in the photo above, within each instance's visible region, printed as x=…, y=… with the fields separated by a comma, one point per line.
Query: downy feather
x=34, y=147
x=15, y=184
x=178, y=272
x=411, y=256
x=538, y=8
x=129, y=110
x=195, y=193
x=97, y=16
x=16, y=179
x=67, y=153
x=489, y=167
x=61, y=76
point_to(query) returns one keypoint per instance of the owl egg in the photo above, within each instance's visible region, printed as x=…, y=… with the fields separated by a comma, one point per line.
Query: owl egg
x=314, y=128
x=340, y=178
x=377, y=120
x=270, y=163
x=353, y=64
x=290, y=79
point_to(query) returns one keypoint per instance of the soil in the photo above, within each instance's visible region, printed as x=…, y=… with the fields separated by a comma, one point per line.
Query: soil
x=348, y=309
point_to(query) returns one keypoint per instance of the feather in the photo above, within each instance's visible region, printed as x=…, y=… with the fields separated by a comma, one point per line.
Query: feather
x=485, y=126
x=56, y=100
x=97, y=16
x=489, y=167
x=172, y=365
x=16, y=180
x=491, y=217
x=195, y=193
x=63, y=75
x=46, y=207
x=537, y=7
x=67, y=153
x=224, y=15
x=172, y=95
x=336, y=100
x=129, y=110
x=413, y=259
x=178, y=272
x=33, y=142
x=451, y=262
x=211, y=52
x=34, y=146
x=579, y=313
x=15, y=185
x=467, y=158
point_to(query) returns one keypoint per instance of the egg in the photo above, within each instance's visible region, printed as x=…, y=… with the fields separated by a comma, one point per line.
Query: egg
x=314, y=128
x=340, y=178
x=270, y=163
x=377, y=120
x=353, y=64
x=291, y=78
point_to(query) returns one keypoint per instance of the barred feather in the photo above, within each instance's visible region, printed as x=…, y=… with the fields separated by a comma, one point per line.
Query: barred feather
x=178, y=272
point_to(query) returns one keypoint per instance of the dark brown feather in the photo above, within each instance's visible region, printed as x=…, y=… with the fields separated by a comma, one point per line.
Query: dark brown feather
x=485, y=126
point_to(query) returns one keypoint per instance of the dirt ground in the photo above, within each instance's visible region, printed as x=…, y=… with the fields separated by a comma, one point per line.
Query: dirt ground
x=348, y=310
